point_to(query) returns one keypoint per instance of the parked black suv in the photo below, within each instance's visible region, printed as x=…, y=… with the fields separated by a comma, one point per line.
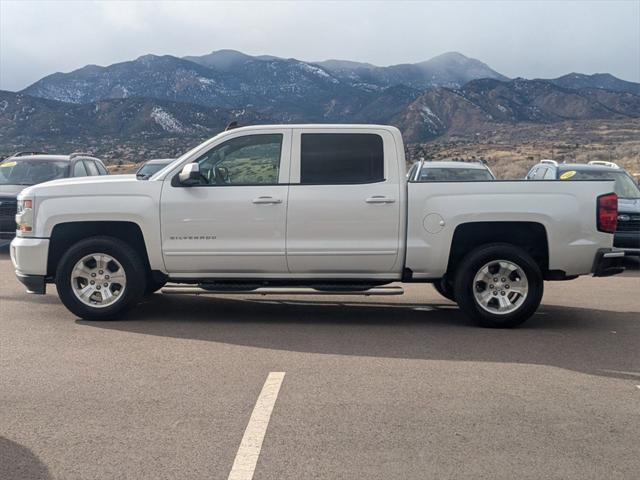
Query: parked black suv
x=29, y=168
x=627, y=235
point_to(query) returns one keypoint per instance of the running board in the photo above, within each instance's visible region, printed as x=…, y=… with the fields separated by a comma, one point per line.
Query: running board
x=190, y=290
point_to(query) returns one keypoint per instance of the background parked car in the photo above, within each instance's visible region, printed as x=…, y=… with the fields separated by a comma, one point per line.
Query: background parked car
x=152, y=166
x=627, y=234
x=30, y=168
x=451, y=171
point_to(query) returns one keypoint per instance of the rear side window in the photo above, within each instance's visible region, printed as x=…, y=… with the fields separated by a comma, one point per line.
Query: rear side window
x=101, y=169
x=79, y=170
x=341, y=158
x=91, y=167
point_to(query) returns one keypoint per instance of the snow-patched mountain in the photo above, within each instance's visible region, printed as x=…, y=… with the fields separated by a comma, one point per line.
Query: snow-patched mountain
x=604, y=81
x=483, y=104
x=291, y=89
x=286, y=89
x=450, y=69
x=30, y=120
x=169, y=97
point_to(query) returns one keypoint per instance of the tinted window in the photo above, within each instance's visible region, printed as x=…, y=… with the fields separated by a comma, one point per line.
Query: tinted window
x=101, y=169
x=338, y=158
x=454, y=175
x=624, y=187
x=148, y=169
x=247, y=160
x=91, y=167
x=79, y=170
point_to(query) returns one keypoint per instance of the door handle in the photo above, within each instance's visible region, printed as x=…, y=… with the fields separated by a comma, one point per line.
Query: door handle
x=266, y=200
x=380, y=199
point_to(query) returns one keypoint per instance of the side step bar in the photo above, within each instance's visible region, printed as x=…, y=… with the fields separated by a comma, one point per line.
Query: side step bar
x=191, y=290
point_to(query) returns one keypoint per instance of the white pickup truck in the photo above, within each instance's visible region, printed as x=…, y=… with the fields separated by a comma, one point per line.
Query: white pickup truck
x=310, y=209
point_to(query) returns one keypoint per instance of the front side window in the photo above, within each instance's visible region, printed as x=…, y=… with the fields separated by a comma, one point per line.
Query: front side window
x=532, y=173
x=341, y=158
x=246, y=160
x=540, y=173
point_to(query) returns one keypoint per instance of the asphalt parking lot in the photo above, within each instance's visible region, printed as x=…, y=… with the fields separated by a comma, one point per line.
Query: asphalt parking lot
x=373, y=388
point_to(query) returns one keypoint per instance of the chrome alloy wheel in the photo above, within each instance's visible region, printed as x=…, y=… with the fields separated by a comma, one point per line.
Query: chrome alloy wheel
x=98, y=280
x=500, y=287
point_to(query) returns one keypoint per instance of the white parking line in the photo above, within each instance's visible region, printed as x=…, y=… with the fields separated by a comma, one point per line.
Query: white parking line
x=245, y=463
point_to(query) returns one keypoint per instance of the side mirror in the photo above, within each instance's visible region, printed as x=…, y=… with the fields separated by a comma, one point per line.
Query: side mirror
x=190, y=174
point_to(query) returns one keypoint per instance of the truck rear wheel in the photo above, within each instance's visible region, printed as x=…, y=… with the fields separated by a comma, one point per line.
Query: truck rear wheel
x=499, y=285
x=100, y=278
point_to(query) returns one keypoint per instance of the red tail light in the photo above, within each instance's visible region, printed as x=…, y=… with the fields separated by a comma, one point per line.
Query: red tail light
x=608, y=212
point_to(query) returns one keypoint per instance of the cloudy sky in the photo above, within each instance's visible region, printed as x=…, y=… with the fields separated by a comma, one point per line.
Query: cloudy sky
x=517, y=38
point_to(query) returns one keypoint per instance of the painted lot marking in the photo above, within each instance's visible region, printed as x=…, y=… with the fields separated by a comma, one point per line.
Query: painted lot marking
x=245, y=463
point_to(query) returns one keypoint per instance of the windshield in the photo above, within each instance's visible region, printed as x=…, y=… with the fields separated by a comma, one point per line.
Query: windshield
x=31, y=172
x=150, y=168
x=624, y=187
x=456, y=174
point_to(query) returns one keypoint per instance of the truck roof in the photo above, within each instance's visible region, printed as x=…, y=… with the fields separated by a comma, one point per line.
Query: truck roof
x=317, y=126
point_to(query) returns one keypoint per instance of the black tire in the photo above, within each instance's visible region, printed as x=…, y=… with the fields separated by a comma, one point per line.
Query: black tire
x=445, y=288
x=473, y=263
x=131, y=262
x=153, y=286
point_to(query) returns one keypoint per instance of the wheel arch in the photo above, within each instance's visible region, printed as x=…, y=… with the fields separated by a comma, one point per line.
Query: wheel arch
x=530, y=236
x=64, y=235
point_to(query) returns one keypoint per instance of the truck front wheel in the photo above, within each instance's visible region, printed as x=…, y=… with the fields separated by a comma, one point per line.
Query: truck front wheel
x=499, y=285
x=100, y=278
x=445, y=288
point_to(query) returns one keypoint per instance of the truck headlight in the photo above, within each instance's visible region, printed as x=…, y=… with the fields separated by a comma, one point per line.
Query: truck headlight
x=24, y=217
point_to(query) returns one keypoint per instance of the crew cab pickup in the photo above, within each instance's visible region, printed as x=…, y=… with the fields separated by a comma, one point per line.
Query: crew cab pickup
x=310, y=208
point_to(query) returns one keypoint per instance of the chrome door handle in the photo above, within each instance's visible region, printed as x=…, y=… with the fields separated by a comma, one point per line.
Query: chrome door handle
x=266, y=200
x=380, y=199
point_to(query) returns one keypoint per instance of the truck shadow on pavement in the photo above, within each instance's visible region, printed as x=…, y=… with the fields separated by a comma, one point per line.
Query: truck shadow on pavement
x=19, y=463
x=589, y=341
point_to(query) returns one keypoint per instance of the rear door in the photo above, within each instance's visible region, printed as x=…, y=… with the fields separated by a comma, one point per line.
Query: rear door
x=344, y=202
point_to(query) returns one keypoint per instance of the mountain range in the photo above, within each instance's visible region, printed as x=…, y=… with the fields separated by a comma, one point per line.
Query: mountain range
x=194, y=97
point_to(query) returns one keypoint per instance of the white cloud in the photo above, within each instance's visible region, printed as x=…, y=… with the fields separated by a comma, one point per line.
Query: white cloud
x=531, y=39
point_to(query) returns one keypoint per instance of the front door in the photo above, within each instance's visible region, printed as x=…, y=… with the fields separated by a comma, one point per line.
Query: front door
x=233, y=222
x=344, y=203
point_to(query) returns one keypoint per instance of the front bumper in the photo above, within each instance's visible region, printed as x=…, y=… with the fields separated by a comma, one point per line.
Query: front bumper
x=608, y=262
x=34, y=283
x=29, y=257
